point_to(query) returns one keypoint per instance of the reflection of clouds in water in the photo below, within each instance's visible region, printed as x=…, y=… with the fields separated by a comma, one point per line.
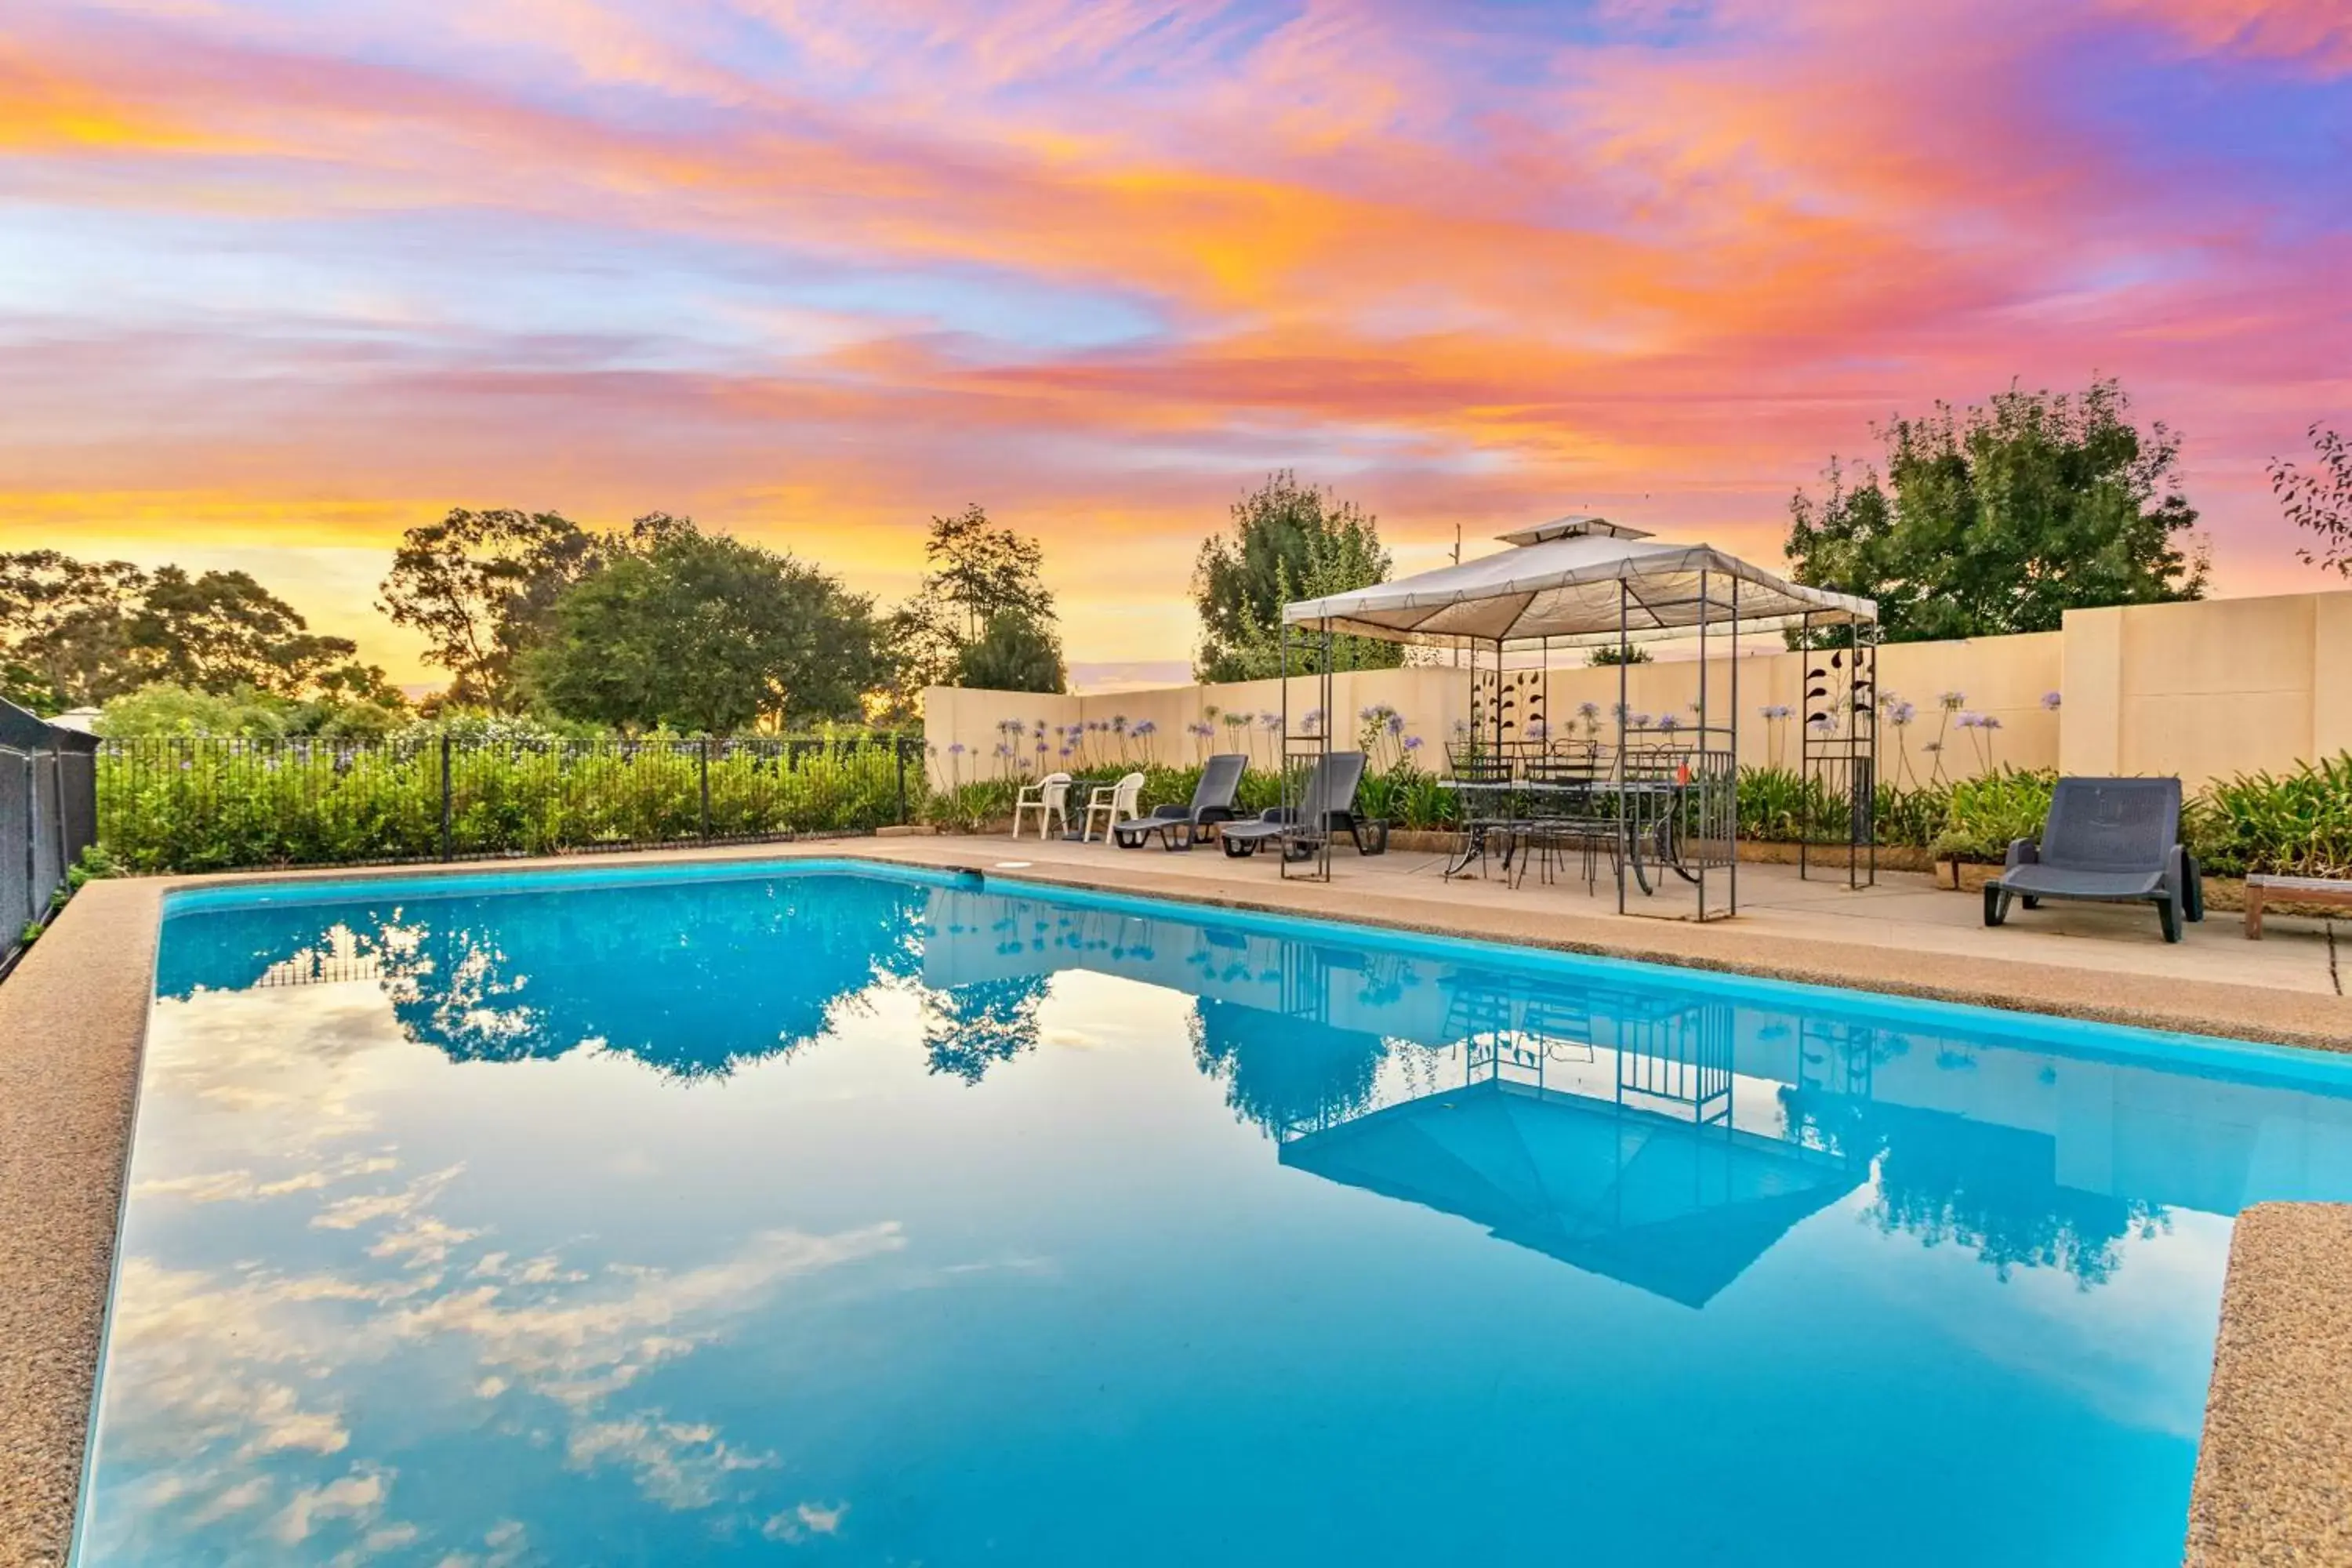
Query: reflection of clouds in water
x=287, y=1080
x=216, y=1374
x=241, y=1186
x=232, y=1393
x=809, y=1518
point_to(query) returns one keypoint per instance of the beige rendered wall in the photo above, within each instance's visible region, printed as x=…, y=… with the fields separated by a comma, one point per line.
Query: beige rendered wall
x=2203, y=689
x=2209, y=689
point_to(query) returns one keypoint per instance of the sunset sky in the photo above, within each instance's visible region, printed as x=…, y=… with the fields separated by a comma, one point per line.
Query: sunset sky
x=279, y=278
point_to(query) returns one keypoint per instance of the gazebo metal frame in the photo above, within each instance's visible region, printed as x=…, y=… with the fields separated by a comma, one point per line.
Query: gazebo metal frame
x=1670, y=782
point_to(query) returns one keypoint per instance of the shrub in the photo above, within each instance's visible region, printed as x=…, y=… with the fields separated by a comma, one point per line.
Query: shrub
x=193, y=805
x=1990, y=810
x=2296, y=824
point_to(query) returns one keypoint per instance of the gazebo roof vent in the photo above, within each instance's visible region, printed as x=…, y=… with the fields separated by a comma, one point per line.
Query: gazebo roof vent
x=1573, y=527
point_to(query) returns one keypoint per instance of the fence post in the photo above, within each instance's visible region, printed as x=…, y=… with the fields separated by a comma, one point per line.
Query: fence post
x=899, y=746
x=706, y=789
x=58, y=772
x=445, y=795
x=33, y=900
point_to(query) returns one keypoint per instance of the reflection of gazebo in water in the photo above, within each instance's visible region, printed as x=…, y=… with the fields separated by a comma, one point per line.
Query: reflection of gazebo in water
x=1661, y=795
x=1635, y=1170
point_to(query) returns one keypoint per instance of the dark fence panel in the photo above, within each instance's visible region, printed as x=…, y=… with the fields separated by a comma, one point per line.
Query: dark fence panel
x=16, y=903
x=46, y=813
x=49, y=828
x=221, y=805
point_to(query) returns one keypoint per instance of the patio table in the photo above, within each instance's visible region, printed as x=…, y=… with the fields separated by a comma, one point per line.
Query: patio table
x=1662, y=827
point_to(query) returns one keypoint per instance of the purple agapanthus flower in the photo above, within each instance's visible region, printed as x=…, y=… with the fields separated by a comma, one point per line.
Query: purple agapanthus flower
x=2050, y=701
x=1412, y=743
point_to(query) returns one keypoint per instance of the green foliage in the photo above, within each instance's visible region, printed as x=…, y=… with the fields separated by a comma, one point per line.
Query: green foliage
x=218, y=805
x=976, y=573
x=706, y=633
x=2001, y=517
x=480, y=586
x=1289, y=542
x=75, y=633
x=1016, y=652
x=64, y=628
x=1991, y=810
x=2319, y=502
x=1610, y=656
x=2299, y=824
x=95, y=862
x=164, y=709
x=161, y=710
x=970, y=807
x=222, y=631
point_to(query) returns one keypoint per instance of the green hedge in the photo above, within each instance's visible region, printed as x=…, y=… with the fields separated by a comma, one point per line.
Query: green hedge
x=189, y=806
x=209, y=804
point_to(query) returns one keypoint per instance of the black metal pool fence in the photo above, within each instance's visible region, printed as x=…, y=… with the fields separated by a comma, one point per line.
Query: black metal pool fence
x=173, y=805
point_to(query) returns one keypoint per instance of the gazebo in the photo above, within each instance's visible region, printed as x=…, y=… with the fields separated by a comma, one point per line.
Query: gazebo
x=1666, y=793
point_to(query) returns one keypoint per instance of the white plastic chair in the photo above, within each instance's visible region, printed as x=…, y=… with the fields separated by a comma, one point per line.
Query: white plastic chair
x=1115, y=804
x=1049, y=798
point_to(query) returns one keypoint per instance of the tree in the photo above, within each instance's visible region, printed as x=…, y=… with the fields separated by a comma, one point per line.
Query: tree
x=480, y=586
x=1289, y=542
x=1015, y=653
x=706, y=633
x=65, y=629
x=2004, y=517
x=224, y=632
x=2320, y=502
x=975, y=571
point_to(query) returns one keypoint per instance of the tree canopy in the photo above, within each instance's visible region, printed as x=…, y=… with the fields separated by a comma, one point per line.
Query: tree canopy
x=75, y=633
x=480, y=586
x=981, y=581
x=1289, y=542
x=701, y=632
x=2319, y=501
x=1016, y=652
x=2002, y=517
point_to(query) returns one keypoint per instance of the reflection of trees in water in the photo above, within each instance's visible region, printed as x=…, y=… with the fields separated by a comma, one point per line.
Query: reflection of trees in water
x=969, y=1029
x=1281, y=1072
x=693, y=979
x=1992, y=1189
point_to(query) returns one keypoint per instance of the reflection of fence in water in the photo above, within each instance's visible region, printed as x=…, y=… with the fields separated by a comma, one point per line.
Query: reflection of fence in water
x=314, y=966
x=1672, y=1057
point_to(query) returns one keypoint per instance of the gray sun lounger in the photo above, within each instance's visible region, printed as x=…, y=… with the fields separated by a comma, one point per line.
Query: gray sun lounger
x=1329, y=807
x=1178, y=825
x=2110, y=841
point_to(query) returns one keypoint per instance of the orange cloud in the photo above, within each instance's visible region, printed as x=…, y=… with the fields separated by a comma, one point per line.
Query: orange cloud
x=817, y=270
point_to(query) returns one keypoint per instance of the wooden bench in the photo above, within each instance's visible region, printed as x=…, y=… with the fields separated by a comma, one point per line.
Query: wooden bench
x=2290, y=890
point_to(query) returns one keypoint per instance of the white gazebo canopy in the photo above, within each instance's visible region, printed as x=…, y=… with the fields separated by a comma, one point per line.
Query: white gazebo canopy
x=1579, y=581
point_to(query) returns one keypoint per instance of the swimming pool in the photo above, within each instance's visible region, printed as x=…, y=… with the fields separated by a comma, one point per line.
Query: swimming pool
x=835, y=1214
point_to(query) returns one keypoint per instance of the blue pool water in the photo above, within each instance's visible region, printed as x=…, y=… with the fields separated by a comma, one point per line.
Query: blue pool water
x=850, y=1217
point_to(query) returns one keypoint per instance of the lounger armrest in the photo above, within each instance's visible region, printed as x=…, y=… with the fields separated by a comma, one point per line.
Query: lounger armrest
x=2023, y=852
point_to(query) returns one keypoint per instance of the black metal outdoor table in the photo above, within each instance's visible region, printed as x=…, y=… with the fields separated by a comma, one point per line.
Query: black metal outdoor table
x=1665, y=828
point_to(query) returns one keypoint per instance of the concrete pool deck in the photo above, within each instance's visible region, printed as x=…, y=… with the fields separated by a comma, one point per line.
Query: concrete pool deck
x=2272, y=1477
